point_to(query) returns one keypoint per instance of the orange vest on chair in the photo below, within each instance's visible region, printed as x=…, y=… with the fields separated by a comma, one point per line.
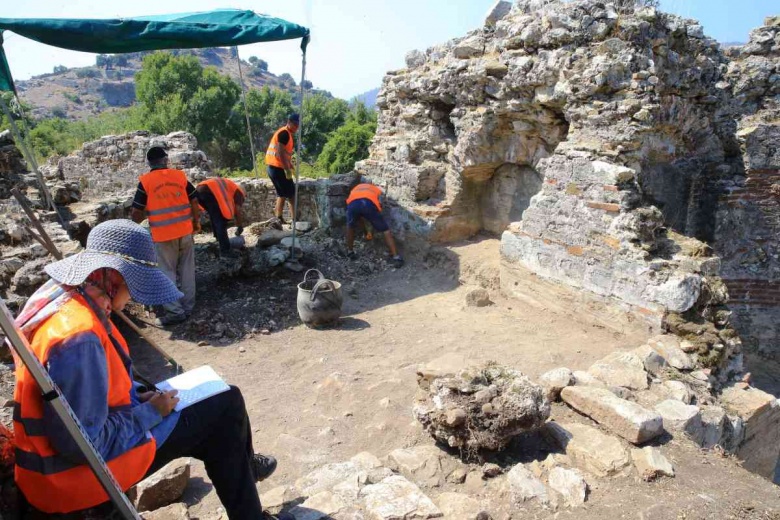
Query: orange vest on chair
x=366, y=191
x=167, y=204
x=49, y=481
x=224, y=190
x=273, y=155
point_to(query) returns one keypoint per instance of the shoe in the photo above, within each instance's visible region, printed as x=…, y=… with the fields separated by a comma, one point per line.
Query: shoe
x=170, y=319
x=233, y=255
x=397, y=262
x=263, y=466
x=352, y=255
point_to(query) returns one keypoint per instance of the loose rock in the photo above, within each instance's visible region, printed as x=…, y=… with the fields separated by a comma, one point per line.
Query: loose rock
x=478, y=298
x=650, y=463
x=589, y=449
x=570, y=484
x=164, y=487
x=556, y=380
x=524, y=486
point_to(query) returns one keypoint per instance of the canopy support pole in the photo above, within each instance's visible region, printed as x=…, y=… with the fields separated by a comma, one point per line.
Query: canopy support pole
x=246, y=113
x=298, y=160
x=22, y=144
x=54, y=397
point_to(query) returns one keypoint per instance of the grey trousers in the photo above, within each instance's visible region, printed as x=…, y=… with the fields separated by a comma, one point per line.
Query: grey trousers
x=177, y=261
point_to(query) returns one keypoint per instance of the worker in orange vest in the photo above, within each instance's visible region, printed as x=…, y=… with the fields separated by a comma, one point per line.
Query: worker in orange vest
x=136, y=431
x=223, y=199
x=169, y=200
x=363, y=205
x=278, y=158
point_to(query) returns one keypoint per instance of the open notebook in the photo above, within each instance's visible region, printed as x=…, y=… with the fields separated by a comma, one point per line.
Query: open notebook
x=194, y=386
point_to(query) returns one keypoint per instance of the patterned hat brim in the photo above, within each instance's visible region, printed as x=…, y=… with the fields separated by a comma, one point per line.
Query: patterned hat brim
x=148, y=285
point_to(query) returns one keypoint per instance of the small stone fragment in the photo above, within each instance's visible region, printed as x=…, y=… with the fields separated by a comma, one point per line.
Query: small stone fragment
x=458, y=476
x=524, y=486
x=650, y=463
x=556, y=380
x=176, y=511
x=164, y=487
x=570, y=484
x=456, y=417
x=621, y=369
x=478, y=298
x=490, y=470
x=668, y=347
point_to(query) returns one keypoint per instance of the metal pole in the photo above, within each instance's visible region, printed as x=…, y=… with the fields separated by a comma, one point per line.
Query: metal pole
x=246, y=113
x=21, y=143
x=51, y=394
x=177, y=367
x=299, y=159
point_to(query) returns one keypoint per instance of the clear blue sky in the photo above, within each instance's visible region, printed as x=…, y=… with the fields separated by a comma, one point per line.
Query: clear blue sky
x=354, y=41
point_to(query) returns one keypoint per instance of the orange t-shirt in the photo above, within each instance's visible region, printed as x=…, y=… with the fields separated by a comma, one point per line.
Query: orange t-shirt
x=366, y=191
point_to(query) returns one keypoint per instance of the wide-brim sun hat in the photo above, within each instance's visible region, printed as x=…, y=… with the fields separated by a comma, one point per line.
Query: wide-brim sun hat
x=126, y=247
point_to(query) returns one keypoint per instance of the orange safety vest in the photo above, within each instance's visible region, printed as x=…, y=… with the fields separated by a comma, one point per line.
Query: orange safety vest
x=366, y=191
x=224, y=190
x=49, y=481
x=167, y=204
x=272, y=156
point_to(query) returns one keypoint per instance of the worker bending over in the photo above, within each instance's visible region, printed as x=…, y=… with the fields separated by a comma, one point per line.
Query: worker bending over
x=363, y=203
x=168, y=198
x=223, y=199
x=67, y=324
x=278, y=158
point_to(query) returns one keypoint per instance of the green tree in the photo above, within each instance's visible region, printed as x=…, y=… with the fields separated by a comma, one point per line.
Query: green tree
x=322, y=116
x=59, y=69
x=268, y=111
x=346, y=146
x=361, y=114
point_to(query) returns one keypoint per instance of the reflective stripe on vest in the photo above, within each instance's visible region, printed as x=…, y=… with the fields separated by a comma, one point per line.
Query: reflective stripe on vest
x=366, y=191
x=51, y=482
x=224, y=191
x=167, y=204
x=272, y=157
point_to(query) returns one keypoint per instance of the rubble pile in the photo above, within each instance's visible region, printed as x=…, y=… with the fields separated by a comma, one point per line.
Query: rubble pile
x=12, y=166
x=482, y=407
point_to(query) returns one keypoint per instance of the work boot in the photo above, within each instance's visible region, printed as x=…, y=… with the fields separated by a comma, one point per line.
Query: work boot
x=230, y=254
x=170, y=319
x=351, y=255
x=263, y=466
x=397, y=261
x=278, y=516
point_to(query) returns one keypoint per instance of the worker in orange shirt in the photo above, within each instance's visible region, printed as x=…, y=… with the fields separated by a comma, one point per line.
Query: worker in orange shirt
x=363, y=204
x=278, y=158
x=223, y=199
x=168, y=199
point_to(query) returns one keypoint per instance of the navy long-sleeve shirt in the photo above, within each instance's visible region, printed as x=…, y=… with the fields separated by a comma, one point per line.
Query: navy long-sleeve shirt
x=79, y=368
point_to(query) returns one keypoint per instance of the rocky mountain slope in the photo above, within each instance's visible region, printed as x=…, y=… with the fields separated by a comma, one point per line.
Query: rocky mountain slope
x=82, y=92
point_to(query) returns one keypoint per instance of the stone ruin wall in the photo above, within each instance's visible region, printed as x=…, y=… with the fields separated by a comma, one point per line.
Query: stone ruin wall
x=600, y=143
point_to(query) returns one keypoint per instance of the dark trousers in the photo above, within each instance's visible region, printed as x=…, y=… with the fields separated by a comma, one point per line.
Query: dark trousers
x=219, y=224
x=217, y=432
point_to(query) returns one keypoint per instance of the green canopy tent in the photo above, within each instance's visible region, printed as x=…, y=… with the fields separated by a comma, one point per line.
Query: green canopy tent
x=221, y=28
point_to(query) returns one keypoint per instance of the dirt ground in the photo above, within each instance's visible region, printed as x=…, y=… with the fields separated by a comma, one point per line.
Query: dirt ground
x=319, y=396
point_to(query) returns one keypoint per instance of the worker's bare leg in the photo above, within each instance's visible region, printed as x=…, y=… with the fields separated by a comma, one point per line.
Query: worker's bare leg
x=390, y=243
x=350, y=238
x=291, y=202
x=279, y=209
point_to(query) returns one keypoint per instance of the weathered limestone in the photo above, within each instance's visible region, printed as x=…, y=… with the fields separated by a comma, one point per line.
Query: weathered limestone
x=680, y=417
x=325, y=477
x=589, y=449
x=570, y=484
x=458, y=505
x=621, y=369
x=478, y=298
x=172, y=512
x=760, y=413
x=420, y=464
x=395, y=498
x=525, y=487
x=164, y=487
x=448, y=365
x=650, y=463
x=668, y=347
x=556, y=380
x=626, y=419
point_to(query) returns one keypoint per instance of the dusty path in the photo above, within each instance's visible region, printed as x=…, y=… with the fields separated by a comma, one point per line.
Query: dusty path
x=318, y=396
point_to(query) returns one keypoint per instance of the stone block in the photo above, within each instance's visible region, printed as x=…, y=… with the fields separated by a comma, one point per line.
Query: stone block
x=524, y=486
x=588, y=448
x=621, y=369
x=459, y=506
x=582, y=378
x=713, y=421
x=624, y=418
x=570, y=484
x=556, y=380
x=680, y=417
x=760, y=413
x=668, y=347
x=448, y=365
x=323, y=505
x=650, y=463
x=176, y=511
x=497, y=12
x=164, y=487
x=420, y=464
x=396, y=498
x=653, y=362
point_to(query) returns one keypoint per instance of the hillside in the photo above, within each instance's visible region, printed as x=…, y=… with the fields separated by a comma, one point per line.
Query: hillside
x=369, y=98
x=82, y=92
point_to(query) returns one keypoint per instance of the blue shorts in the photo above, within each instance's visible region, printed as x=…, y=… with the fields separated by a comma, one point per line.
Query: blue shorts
x=366, y=209
x=285, y=187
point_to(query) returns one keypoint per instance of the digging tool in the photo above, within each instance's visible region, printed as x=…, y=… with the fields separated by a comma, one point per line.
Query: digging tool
x=293, y=264
x=43, y=238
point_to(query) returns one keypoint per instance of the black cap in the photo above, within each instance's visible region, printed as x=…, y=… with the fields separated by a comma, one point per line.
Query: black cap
x=156, y=153
x=294, y=118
